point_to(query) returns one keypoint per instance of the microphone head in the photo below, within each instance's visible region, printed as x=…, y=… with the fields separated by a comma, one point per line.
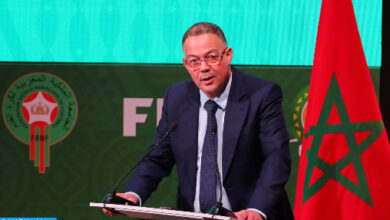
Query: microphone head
x=214, y=128
x=173, y=126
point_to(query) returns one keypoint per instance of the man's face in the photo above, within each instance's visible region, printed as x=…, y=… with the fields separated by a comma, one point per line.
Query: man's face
x=211, y=79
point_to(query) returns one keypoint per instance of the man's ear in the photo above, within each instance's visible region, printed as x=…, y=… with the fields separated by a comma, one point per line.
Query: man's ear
x=229, y=53
x=184, y=61
x=184, y=64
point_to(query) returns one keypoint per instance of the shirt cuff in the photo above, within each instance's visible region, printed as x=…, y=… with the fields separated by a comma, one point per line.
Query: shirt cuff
x=139, y=198
x=258, y=211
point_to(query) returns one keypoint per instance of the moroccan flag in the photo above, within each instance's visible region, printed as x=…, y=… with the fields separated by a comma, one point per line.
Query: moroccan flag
x=344, y=169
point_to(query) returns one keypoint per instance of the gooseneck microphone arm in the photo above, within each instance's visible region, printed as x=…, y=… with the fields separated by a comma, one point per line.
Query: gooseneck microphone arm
x=219, y=209
x=111, y=197
x=214, y=130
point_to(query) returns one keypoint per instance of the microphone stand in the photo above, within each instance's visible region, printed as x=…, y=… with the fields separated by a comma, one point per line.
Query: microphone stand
x=218, y=209
x=112, y=198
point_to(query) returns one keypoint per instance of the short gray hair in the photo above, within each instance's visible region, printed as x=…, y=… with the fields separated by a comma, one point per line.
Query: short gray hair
x=204, y=28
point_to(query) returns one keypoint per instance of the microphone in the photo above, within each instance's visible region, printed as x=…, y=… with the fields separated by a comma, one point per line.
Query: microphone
x=218, y=208
x=214, y=129
x=112, y=198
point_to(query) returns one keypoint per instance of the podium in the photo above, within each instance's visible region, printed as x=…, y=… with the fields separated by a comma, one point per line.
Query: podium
x=158, y=213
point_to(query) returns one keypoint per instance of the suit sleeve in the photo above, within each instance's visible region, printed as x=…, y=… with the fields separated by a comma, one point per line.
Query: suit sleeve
x=158, y=164
x=274, y=143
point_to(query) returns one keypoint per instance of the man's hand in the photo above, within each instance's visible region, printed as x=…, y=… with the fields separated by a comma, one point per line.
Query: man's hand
x=130, y=197
x=248, y=215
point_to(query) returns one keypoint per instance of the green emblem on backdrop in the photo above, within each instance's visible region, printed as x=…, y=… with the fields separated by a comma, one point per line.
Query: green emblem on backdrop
x=334, y=170
x=299, y=113
x=40, y=110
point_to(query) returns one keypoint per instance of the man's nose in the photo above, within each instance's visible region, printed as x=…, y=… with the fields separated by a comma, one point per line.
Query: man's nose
x=204, y=66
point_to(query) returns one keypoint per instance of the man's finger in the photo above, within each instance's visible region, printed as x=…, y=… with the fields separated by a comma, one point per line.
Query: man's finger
x=130, y=197
x=108, y=212
x=240, y=215
x=248, y=215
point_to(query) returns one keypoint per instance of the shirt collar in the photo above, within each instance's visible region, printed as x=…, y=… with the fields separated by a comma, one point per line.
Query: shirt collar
x=221, y=100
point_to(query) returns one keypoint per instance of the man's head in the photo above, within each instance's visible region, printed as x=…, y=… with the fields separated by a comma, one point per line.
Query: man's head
x=207, y=58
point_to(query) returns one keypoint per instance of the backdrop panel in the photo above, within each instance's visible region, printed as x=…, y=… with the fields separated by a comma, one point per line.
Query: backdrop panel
x=85, y=163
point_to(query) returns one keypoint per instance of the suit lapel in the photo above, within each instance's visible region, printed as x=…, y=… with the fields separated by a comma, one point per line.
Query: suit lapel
x=235, y=115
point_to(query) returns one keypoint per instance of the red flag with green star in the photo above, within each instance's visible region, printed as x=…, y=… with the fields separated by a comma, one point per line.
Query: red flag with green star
x=345, y=161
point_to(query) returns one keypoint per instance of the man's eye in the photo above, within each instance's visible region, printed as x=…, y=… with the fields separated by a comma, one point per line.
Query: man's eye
x=193, y=61
x=212, y=57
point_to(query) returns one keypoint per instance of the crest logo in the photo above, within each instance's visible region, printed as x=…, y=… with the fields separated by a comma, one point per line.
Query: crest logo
x=299, y=115
x=40, y=110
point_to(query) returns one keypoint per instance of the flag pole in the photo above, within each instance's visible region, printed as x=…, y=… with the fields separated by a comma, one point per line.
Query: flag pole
x=384, y=97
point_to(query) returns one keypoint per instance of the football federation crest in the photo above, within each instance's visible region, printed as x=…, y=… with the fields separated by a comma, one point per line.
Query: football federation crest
x=40, y=110
x=299, y=114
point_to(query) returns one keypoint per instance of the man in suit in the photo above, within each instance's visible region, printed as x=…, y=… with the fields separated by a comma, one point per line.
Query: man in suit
x=246, y=126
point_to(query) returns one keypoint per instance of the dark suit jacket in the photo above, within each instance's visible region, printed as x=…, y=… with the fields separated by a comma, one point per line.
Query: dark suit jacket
x=256, y=158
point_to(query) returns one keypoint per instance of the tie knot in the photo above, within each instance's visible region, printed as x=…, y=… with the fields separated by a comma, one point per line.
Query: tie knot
x=211, y=106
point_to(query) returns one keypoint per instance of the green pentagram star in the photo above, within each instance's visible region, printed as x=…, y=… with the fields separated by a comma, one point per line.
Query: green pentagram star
x=361, y=190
